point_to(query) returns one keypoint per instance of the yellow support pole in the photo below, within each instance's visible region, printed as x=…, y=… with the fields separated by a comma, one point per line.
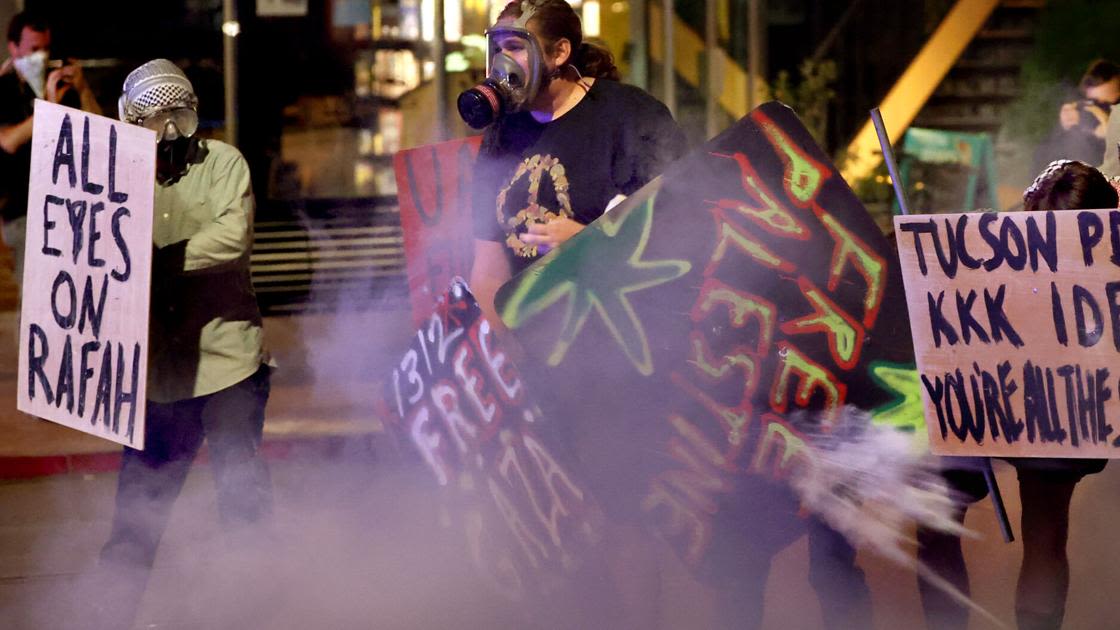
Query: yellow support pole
x=917, y=83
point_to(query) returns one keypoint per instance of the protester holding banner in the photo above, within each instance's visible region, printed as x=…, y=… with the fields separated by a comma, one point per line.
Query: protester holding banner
x=1046, y=485
x=207, y=376
x=23, y=78
x=566, y=146
x=556, y=153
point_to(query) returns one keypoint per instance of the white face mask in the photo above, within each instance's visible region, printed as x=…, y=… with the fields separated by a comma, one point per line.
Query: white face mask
x=33, y=69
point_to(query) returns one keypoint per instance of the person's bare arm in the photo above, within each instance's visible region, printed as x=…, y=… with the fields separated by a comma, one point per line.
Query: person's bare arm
x=12, y=137
x=73, y=74
x=490, y=271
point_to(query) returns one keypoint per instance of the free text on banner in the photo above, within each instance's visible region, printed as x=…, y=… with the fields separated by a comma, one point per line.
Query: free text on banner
x=84, y=319
x=1016, y=325
x=461, y=403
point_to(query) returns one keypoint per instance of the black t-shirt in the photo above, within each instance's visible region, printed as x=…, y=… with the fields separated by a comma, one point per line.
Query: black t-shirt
x=614, y=141
x=17, y=102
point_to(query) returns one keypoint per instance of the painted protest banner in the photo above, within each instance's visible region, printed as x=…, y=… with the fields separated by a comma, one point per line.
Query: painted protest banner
x=462, y=406
x=686, y=339
x=84, y=318
x=434, y=184
x=1016, y=323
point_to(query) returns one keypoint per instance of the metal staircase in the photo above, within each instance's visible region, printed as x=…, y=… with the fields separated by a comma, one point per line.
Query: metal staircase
x=974, y=96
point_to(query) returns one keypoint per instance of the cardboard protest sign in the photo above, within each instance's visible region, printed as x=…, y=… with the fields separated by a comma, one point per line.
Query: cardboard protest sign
x=685, y=338
x=1016, y=323
x=434, y=184
x=462, y=406
x=84, y=319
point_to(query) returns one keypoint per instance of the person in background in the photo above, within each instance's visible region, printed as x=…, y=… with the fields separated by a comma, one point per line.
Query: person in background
x=1046, y=485
x=25, y=76
x=208, y=372
x=1110, y=166
x=1082, y=124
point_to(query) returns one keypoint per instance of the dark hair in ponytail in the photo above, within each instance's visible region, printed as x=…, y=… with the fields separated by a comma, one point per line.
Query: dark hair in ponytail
x=556, y=20
x=593, y=60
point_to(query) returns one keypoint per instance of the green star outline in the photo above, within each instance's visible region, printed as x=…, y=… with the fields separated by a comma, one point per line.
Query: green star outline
x=905, y=411
x=539, y=291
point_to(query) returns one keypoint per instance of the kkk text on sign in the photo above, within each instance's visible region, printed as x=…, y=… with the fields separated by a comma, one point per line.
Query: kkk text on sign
x=1016, y=324
x=84, y=318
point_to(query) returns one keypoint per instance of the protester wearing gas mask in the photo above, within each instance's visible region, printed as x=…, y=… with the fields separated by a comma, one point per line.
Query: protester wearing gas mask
x=563, y=139
x=208, y=374
x=25, y=76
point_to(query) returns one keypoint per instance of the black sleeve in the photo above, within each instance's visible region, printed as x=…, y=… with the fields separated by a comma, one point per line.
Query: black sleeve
x=13, y=108
x=651, y=141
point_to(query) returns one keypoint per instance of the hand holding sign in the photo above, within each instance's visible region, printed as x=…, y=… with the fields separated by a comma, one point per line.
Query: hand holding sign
x=84, y=333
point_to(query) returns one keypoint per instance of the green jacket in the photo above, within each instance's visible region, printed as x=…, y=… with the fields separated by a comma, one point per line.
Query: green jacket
x=205, y=332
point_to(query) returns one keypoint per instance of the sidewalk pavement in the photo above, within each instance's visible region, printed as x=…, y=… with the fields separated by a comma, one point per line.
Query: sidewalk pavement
x=322, y=394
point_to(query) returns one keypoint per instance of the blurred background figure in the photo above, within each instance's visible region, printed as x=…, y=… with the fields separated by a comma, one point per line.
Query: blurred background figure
x=28, y=74
x=1082, y=124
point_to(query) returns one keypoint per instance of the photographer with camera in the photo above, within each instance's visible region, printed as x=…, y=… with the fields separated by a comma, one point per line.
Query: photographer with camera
x=25, y=76
x=1083, y=124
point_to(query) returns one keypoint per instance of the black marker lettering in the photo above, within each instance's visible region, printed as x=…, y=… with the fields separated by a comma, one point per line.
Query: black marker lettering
x=64, y=152
x=997, y=319
x=122, y=246
x=114, y=195
x=1082, y=298
x=1090, y=230
x=94, y=235
x=1059, y=316
x=88, y=186
x=35, y=362
x=1044, y=246
x=48, y=225
x=938, y=323
x=66, y=321
x=76, y=213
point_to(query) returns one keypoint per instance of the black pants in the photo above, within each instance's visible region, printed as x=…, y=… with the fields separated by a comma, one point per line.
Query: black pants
x=231, y=420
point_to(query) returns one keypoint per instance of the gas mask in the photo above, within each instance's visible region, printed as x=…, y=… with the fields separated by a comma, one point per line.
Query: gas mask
x=158, y=96
x=32, y=68
x=507, y=88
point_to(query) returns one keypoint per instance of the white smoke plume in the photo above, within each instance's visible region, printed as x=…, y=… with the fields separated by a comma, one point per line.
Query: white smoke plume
x=870, y=484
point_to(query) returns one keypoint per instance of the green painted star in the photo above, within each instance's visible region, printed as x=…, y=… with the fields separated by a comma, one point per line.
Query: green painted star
x=905, y=412
x=597, y=270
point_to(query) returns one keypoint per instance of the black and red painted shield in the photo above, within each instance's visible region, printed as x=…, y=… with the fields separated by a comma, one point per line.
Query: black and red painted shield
x=681, y=341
